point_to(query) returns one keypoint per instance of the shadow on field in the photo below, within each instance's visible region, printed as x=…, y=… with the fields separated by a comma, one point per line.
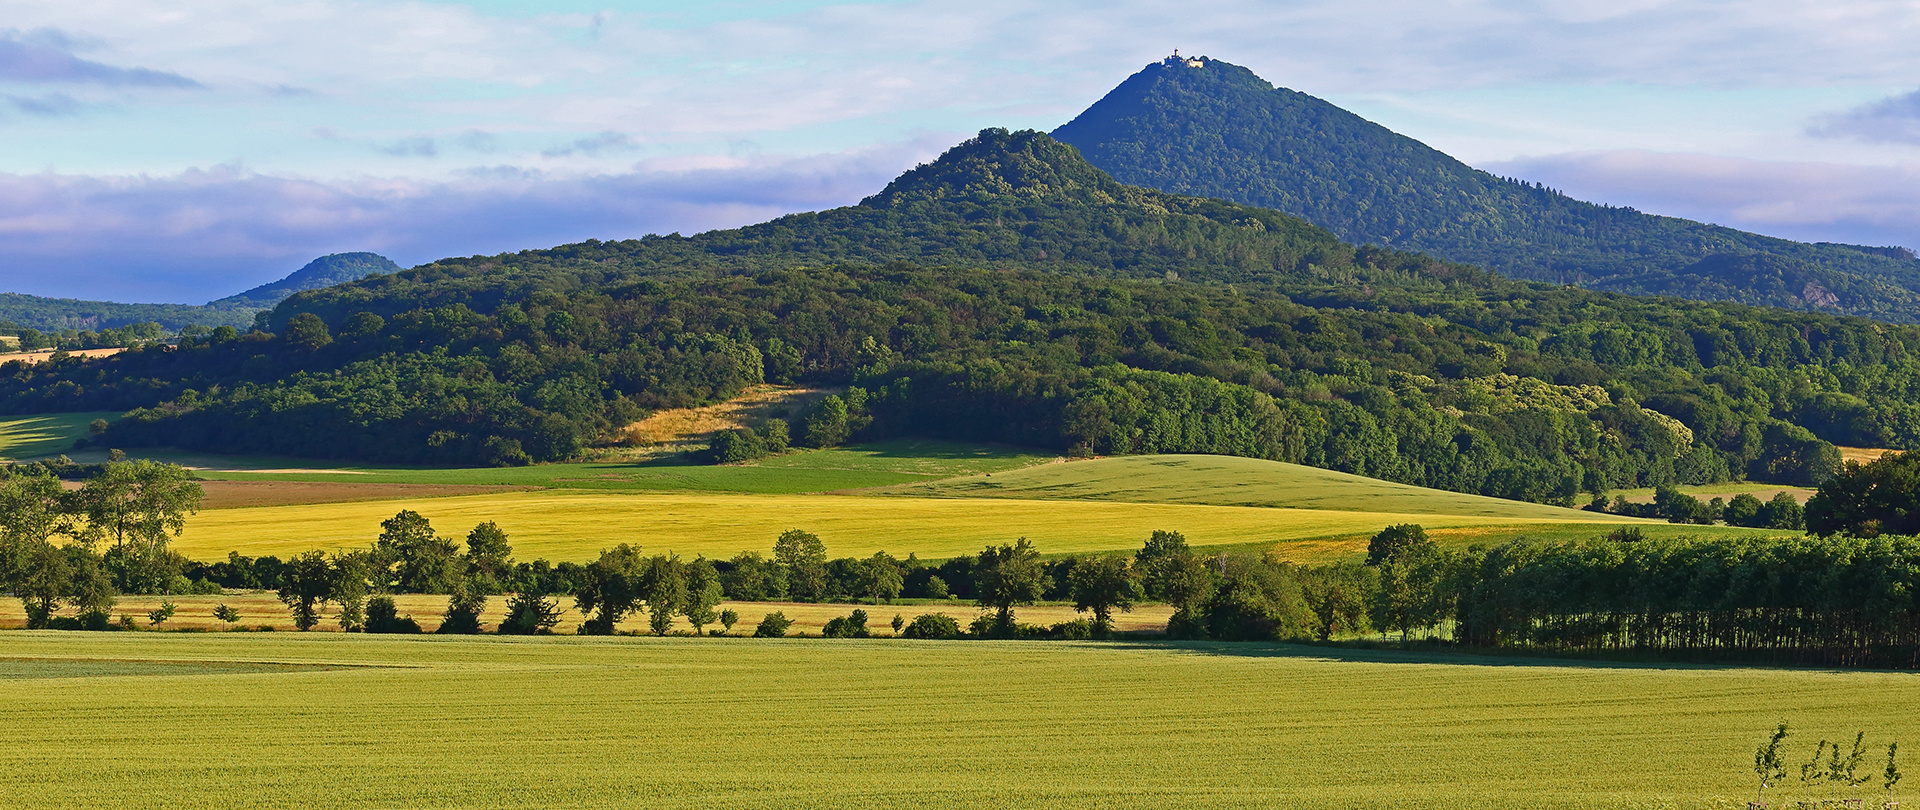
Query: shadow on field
x=1447, y=657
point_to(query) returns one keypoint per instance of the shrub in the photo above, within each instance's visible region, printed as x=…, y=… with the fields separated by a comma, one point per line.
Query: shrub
x=384, y=617
x=936, y=588
x=932, y=625
x=1076, y=630
x=774, y=625
x=530, y=613
x=854, y=626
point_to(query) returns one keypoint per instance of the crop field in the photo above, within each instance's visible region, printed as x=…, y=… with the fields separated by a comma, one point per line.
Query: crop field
x=260, y=609
x=350, y=721
x=48, y=434
x=561, y=525
x=1234, y=481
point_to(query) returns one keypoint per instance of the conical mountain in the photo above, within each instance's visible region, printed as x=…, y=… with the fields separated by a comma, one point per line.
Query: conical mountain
x=326, y=271
x=1218, y=130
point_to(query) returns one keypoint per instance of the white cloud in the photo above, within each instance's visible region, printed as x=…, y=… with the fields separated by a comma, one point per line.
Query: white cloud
x=1893, y=120
x=199, y=235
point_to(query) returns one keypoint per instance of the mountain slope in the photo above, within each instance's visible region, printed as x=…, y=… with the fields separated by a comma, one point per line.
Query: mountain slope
x=1221, y=131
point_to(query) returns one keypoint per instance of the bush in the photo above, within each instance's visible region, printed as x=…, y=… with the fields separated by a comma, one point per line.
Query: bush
x=530, y=613
x=854, y=626
x=932, y=625
x=1076, y=630
x=384, y=617
x=774, y=625
x=936, y=588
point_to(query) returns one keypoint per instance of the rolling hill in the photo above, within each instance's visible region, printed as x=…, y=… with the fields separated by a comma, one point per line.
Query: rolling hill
x=1221, y=131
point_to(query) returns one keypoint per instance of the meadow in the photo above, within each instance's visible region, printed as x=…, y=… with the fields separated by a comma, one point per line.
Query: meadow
x=240, y=720
x=47, y=434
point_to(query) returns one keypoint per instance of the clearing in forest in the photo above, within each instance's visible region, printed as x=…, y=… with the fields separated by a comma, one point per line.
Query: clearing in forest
x=46, y=434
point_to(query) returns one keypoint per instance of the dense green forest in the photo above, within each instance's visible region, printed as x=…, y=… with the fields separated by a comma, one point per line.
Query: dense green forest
x=1010, y=292
x=58, y=315
x=1220, y=131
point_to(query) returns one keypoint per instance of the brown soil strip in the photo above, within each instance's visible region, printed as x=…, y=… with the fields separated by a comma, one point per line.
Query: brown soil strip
x=234, y=494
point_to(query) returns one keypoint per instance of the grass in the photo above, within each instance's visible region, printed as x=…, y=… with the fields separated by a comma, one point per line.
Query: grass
x=41, y=435
x=559, y=525
x=588, y=723
x=1233, y=481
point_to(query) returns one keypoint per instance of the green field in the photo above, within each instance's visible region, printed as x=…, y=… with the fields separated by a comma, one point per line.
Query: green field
x=1233, y=481
x=595, y=722
x=48, y=434
x=904, y=461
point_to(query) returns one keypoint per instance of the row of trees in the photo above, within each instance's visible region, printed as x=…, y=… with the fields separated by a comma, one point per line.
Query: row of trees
x=83, y=547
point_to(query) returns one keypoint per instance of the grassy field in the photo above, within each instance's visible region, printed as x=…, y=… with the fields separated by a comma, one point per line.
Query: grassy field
x=47, y=434
x=896, y=462
x=1232, y=481
x=559, y=525
x=246, y=720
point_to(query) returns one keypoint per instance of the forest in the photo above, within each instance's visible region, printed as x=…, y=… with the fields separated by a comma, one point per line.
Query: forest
x=1221, y=131
x=1153, y=324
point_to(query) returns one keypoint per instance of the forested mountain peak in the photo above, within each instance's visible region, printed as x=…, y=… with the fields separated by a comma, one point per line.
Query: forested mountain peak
x=326, y=271
x=1221, y=131
x=999, y=163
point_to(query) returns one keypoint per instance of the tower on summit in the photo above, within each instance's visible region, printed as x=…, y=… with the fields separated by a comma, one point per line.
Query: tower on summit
x=1176, y=60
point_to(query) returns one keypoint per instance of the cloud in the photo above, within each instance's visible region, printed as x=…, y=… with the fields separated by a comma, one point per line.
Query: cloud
x=1871, y=205
x=47, y=104
x=46, y=56
x=603, y=142
x=409, y=147
x=202, y=234
x=1893, y=120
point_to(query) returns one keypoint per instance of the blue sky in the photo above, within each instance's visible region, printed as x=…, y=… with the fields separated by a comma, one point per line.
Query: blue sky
x=182, y=151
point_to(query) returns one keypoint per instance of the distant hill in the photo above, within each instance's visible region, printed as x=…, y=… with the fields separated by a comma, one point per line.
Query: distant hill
x=1221, y=131
x=326, y=271
x=57, y=314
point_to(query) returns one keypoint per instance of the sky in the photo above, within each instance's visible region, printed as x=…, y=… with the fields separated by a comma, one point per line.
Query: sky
x=185, y=151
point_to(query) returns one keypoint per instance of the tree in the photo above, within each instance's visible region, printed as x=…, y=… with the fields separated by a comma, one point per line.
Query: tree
x=307, y=331
x=410, y=558
x=664, y=587
x=1161, y=551
x=1783, y=512
x=1006, y=576
x=728, y=618
x=752, y=578
x=880, y=577
x=306, y=582
x=1172, y=572
x=489, y=557
x=612, y=588
x=1100, y=584
x=851, y=626
x=1338, y=595
x=1767, y=763
x=936, y=587
x=139, y=505
x=162, y=614
x=464, y=607
x=349, y=588
x=932, y=625
x=1869, y=500
x=1891, y=776
x=898, y=623
x=1745, y=510
x=773, y=625
x=226, y=615
x=1407, y=595
x=826, y=426
x=530, y=613
x=43, y=578
x=1395, y=541
x=383, y=616
x=703, y=594
x=803, y=558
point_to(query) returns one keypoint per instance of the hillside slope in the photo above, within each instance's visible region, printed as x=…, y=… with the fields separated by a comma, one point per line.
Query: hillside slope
x=326, y=271
x=1234, y=481
x=1221, y=131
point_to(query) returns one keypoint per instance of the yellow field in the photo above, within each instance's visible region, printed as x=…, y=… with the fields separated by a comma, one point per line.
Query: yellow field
x=263, y=608
x=280, y=720
x=562, y=525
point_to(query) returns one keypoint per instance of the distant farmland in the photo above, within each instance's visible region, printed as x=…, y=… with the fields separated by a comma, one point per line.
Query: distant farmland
x=350, y=721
